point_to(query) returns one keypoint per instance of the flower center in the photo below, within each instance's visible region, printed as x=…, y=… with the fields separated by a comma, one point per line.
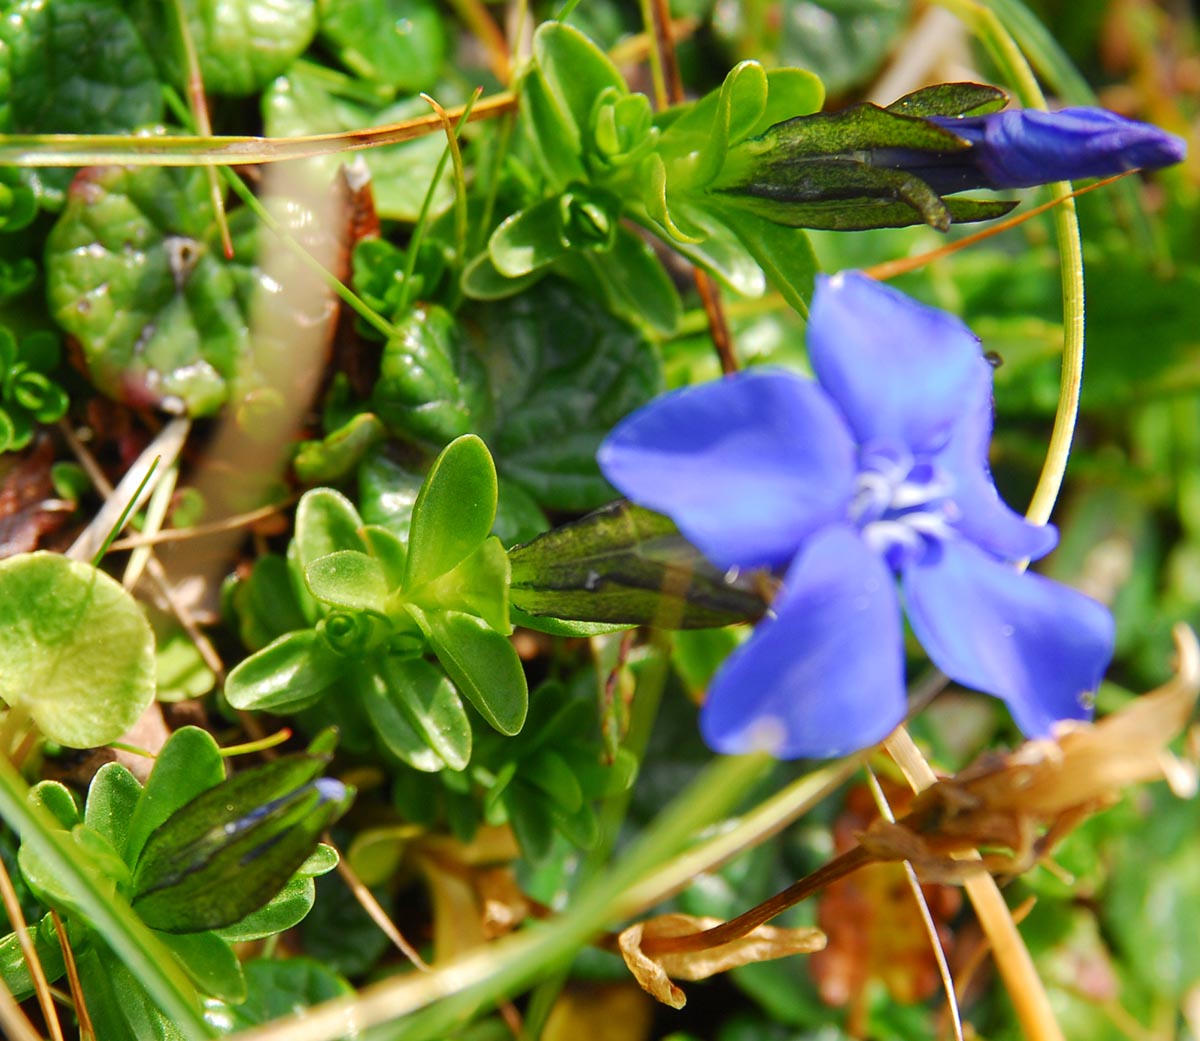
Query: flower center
x=902, y=504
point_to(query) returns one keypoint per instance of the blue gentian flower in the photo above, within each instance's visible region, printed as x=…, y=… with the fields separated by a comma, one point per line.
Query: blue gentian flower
x=875, y=471
x=1026, y=147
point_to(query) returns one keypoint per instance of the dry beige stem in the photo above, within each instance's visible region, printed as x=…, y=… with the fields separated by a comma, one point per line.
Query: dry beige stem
x=654, y=973
x=1027, y=800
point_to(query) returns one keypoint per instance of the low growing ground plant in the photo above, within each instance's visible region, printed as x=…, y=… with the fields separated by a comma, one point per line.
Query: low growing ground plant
x=509, y=509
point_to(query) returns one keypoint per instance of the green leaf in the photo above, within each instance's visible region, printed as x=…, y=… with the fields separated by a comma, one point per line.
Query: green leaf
x=286, y=675
x=575, y=72
x=790, y=92
x=230, y=849
x=14, y=973
x=276, y=989
x=528, y=240
x=483, y=665
x=387, y=493
x=453, y=512
x=398, y=42
x=266, y=603
x=242, y=45
x=563, y=372
x=715, y=247
x=478, y=586
x=286, y=909
x=189, y=764
x=112, y=800
x=431, y=705
x=321, y=861
x=135, y=272
x=211, y=964
x=72, y=67
x=785, y=255
x=623, y=564
x=635, y=283
x=392, y=725
x=338, y=453
x=554, y=138
x=118, y=1004
x=298, y=104
x=950, y=99
x=740, y=104
x=78, y=653
x=389, y=552
x=326, y=522
x=432, y=385
x=350, y=580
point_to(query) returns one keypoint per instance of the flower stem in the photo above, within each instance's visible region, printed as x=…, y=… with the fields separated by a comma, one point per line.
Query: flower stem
x=1017, y=970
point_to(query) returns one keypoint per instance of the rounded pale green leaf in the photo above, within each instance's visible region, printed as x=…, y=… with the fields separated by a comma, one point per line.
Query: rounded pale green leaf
x=211, y=964
x=78, y=653
x=575, y=71
x=326, y=522
x=134, y=272
x=398, y=42
x=241, y=44
x=454, y=511
x=348, y=579
x=285, y=676
x=288, y=907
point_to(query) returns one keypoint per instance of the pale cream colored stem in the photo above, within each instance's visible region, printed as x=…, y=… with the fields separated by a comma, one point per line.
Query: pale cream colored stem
x=1021, y=980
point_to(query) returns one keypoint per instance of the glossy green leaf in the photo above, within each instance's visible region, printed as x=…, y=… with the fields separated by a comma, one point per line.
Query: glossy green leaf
x=389, y=552
x=529, y=240
x=453, y=512
x=78, y=652
x=635, y=283
x=398, y=42
x=241, y=44
x=229, y=850
x=211, y=964
x=299, y=103
x=135, y=273
x=112, y=800
x=326, y=522
x=478, y=585
x=790, y=92
x=276, y=989
x=575, y=72
x=554, y=138
x=338, y=453
x=714, y=246
x=392, y=726
x=432, y=384
x=62, y=73
x=563, y=372
x=266, y=604
x=623, y=564
x=740, y=104
x=785, y=255
x=320, y=861
x=431, y=705
x=118, y=1004
x=350, y=580
x=286, y=675
x=14, y=973
x=387, y=493
x=285, y=909
x=483, y=665
x=189, y=764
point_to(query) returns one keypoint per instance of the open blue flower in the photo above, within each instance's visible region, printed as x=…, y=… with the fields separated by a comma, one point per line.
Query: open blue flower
x=877, y=469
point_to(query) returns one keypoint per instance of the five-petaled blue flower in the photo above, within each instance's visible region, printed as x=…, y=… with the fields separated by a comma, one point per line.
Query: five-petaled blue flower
x=877, y=469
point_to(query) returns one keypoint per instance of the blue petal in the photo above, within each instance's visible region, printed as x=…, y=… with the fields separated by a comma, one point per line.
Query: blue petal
x=983, y=517
x=825, y=676
x=897, y=369
x=1022, y=148
x=1039, y=645
x=747, y=467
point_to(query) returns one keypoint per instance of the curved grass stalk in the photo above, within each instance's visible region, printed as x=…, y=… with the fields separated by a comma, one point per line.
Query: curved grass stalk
x=44, y=150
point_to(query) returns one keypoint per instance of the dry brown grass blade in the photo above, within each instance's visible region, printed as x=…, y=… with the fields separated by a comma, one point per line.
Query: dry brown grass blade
x=41, y=985
x=87, y=1032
